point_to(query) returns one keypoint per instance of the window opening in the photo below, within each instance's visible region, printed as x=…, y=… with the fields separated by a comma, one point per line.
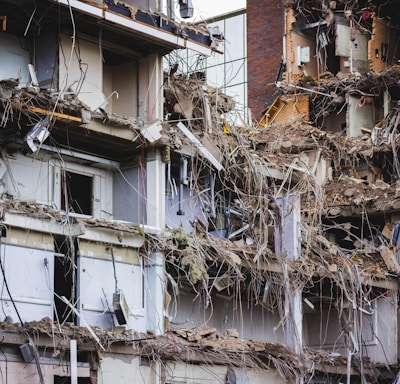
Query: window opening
x=64, y=277
x=77, y=193
x=67, y=380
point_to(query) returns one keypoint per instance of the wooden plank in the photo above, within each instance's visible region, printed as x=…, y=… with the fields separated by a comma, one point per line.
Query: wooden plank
x=57, y=115
x=389, y=258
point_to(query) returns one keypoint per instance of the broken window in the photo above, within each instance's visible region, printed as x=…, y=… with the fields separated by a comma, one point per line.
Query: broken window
x=64, y=277
x=67, y=380
x=77, y=193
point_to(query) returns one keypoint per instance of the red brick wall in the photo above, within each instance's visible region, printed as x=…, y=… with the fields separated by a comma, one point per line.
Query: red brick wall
x=265, y=30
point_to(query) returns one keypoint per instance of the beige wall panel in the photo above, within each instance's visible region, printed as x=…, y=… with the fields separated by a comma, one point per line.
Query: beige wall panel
x=102, y=251
x=295, y=107
x=27, y=238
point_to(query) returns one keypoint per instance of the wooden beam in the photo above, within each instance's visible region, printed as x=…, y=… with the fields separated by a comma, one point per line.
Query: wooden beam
x=56, y=115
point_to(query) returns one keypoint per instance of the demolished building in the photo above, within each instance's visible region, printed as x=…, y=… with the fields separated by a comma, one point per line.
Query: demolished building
x=144, y=238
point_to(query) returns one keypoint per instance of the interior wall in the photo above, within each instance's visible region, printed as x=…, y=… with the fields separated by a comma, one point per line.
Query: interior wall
x=97, y=285
x=143, y=4
x=379, y=330
x=308, y=69
x=385, y=349
x=125, y=82
x=292, y=41
x=14, y=59
x=355, y=50
x=25, y=178
x=191, y=207
x=358, y=117
x=252, y=322
x=84, y=77
x=21, y=372
x=108, y=87
x=264, y=377
x=335, y=123
x=205, y=374
x=129, y=198
x=34, y=267
x=150, y=94
x=190, y=373
x=46, y=49
x=126, y=369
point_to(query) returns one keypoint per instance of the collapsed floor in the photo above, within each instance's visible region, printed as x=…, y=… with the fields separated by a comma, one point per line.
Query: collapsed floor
x=347, y=252
x=233, y=196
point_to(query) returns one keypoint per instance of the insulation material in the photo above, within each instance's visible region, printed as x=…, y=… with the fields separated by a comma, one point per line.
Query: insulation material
x=293, y=107
x=380, y=48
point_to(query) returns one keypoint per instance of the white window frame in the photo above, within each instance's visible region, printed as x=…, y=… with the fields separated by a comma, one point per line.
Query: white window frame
x=97, y=175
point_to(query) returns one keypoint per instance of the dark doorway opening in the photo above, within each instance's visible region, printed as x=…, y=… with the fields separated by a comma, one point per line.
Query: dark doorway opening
x=64, y=277
x=77, y=193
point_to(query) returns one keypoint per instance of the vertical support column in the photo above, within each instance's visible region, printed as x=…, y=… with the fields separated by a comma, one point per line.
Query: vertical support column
x=155, y=293
x=74, y=362
x=288, y=246
x=155, y=191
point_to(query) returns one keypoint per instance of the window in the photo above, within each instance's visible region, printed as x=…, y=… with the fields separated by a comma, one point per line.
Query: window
x=64, y=277
x=78, y=189
x=67, y=380
x=76, y=193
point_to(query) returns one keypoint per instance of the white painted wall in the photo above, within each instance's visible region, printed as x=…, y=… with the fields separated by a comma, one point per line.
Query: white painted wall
x=25, y=178
x=150, y=88
x=129, y=197
x=262, y=377
x=125, y=82
x=357, y=49
x=29, y=280
x=385, y=348
x=155, y=186
x=154, y=286
x=14, y=59
x=191, y=206
x=39, y=180
x=379, y=331
x=97, y=276
x=21, y=372
x=124, y=369
x=191, y=374
x=207, y=374
x=358, y=117
x=84, y=78
x=251, y=323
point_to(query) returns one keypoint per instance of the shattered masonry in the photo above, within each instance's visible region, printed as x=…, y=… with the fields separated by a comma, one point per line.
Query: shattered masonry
x=145, y=237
